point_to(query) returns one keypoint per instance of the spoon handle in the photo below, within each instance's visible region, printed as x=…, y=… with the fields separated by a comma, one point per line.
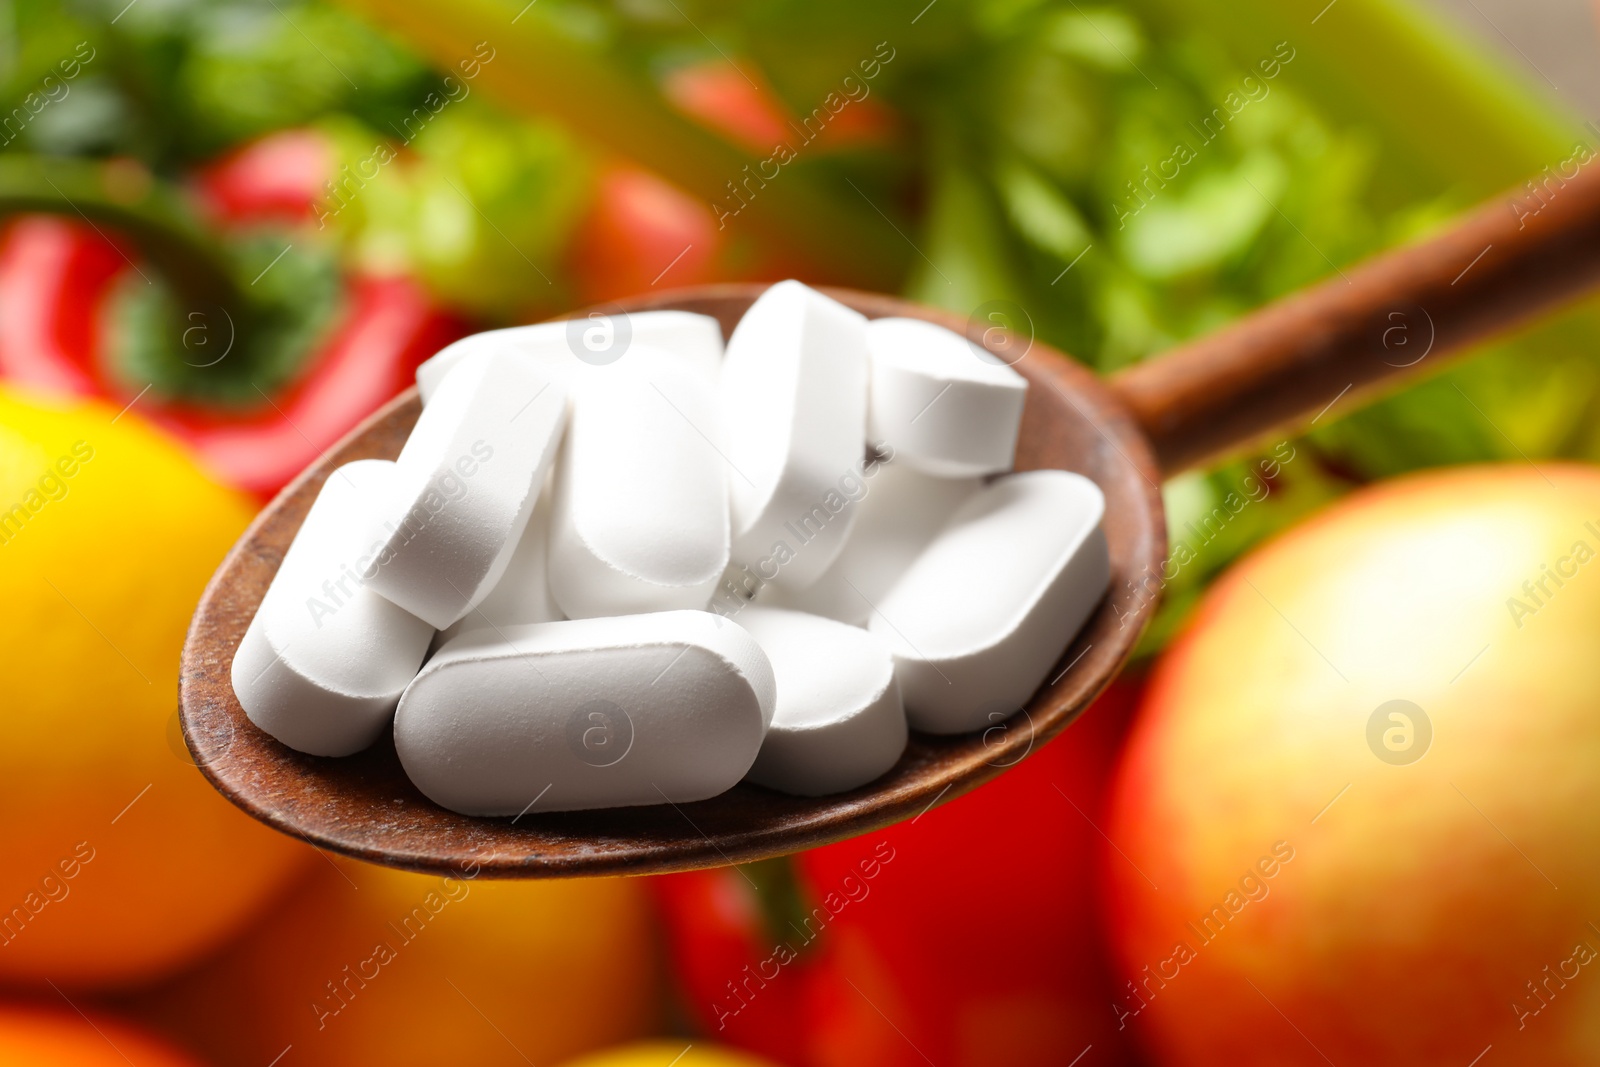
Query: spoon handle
x=1397, y=315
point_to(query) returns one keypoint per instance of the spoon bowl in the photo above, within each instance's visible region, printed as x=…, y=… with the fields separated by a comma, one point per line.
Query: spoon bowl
x=1287, y=364
x=364, y=805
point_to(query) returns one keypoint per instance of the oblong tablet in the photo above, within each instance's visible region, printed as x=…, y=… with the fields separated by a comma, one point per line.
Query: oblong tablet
x=522, y=594
x=794, y=405
x=469, y=475
x=640, y=517
x=324, y=660
x=901, y=512
x=589, y=713
x=599, y=339
x=944, y=404
x=838, y=722
x=978, y=620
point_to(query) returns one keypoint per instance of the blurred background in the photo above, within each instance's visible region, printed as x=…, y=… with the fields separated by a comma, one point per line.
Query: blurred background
x=341, y=188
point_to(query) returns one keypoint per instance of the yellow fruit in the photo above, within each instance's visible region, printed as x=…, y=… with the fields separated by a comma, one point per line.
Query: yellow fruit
x=367, y=965
x=118, y=862
x=669, y=1053
x=1358, y=781
x=33, y=1037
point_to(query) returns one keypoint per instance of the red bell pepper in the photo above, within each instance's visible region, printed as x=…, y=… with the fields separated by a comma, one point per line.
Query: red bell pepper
x=737, y=102
x=642, y=232
x=389, y=326
x=58, y=277
x=966, y=936
x=278, y=178
x=54, y=274
x=639, y=233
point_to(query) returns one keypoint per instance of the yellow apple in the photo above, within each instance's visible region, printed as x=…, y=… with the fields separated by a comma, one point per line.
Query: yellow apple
x=1358, y=819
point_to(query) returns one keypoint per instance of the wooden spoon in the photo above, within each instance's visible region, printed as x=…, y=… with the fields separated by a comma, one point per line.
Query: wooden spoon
x=1329, y=345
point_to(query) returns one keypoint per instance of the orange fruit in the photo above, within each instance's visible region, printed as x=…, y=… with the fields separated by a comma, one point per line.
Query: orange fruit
x=120, y=862
x=32, y=1036
x=368, y=965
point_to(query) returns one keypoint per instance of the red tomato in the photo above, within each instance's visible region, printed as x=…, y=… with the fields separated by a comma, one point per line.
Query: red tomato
x=968, y=935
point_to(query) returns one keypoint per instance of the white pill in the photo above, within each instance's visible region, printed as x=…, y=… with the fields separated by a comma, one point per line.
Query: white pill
x=902, y=510
x=591, y=713
x=943, y=403
x=600, y=339
x=794, y=401
x=978, y=620
x=469, y=475
x=838, y=723
x=640, y=519
x=522, y=595
x=325, y=659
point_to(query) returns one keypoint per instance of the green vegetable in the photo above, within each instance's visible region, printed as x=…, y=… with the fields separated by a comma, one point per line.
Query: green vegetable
x=478, y=205
x=1126, y=177
x=1118, y=178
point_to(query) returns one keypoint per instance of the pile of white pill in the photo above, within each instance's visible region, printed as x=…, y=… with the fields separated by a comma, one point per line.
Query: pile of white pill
x=617, y=564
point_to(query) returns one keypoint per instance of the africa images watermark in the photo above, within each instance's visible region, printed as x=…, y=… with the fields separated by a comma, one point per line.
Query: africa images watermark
x=851, y=890
x=852, y=89
x=54, y=887
x=1253, y=887
x=52, y=90
x=1251, y=90
x=343, y=988
x=1187, y=544
x=442, y=490
x=1552, y=981
x=741, y=582
x=50, y=486
x=1399, y=732
x=1537, y=591
x=348, y=185
x=1548, y=183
